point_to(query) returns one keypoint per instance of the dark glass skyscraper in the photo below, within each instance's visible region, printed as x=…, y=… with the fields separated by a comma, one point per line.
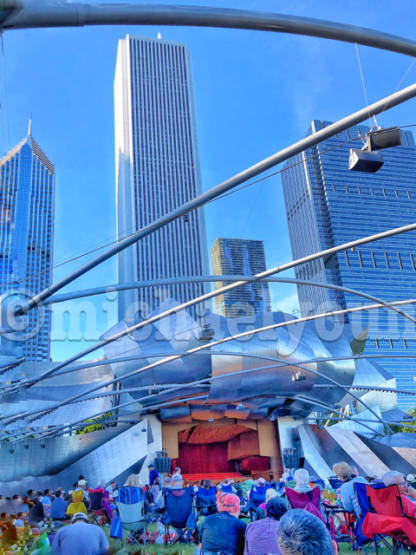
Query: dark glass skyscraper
x=157, y=170
x=328, y=205
x=240, y=257
x=27, y=214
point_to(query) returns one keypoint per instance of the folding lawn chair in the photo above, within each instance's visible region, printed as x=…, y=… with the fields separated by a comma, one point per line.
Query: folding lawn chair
x=179, y=513
x=360, y=490
x=387, y=518
x=206, y=501
x=256, y=498
x=96, y=508
x=311, y=502
x=130, y=507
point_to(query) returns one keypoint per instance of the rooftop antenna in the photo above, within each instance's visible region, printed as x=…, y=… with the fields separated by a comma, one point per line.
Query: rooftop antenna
x=159, y=36
x=30, y=127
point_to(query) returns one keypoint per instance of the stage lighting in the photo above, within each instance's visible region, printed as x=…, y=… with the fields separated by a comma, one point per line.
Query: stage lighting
x=43, y=445
x=154, y=391
x=211, y=419
x=207, y=333
x=11, y=450
x=299, y=377
x=26, y=446
x=186, y=218
x=240, y=406
x=383, y=138
x=144, y=429
x=366, y=162
x=272, y=418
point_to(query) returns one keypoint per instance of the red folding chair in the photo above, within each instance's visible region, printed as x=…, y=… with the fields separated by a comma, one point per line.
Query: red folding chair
x=386, y=517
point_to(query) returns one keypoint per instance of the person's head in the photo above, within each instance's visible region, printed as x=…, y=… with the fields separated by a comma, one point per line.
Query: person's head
x=355, y=470
x=21, y=516
x=302, y=533
x=150, y=467
x=79, y=517
x=30, y=492
x=133, y=481
x=229, y=503
x=4, y=516
x=301, y=477
x=113, y=484
x=12, y=519
x=16, y=496
x=82, y=484
x=206, y=484
x=275, y=507
x=261, y=482
x=168, y=482
x=156, y=482
x=1, y=496
x=100, y=483
x=47, y=492
x=394, y=478
x=39, y=497
x=343, y=471
x=81, y=477
x=270, y=493
x=177, y=470
x=177, y=480
x=58, y=493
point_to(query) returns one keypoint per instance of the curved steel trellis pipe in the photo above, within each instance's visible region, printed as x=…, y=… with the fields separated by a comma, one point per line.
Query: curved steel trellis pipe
x=341, y=125
x=209, y=279
x=213, y=294
x=75, y=14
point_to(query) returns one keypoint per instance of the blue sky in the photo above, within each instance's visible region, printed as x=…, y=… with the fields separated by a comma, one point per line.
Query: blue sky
x=256, y=93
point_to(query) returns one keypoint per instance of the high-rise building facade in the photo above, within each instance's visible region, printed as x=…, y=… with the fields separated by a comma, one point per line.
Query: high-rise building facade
x=240, y=257
x=27, y=214
x=157, y=170
x=328, y=205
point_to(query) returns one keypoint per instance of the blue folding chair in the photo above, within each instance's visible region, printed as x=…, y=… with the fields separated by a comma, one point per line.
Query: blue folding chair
x=130, y=506
x=257, y=497
x=179, y=513
x=335, y=482
x=362, y=498
x=206, y=501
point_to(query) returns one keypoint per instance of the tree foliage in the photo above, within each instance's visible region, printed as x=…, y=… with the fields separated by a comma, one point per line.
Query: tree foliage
x=95, y=426
x=404, y=426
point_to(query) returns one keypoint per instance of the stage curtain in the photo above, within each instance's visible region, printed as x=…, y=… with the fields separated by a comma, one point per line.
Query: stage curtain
x=259, y=464
x=206, y=458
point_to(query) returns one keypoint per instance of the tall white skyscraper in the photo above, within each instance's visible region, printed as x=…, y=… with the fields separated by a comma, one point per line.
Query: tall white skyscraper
x=157, y=169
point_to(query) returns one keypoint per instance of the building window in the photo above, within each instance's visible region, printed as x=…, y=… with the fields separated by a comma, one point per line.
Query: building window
x=405, y=343
x=397, y=193
x=346, y=189
x=384, y=192
x=374, y=260
x=399, y=258
x=334, y=188
x=360, y=258
x=359, y=190
x=387, y=260
x=371, y=190
x=377, y=345
x=408, y=194
x=391, y=343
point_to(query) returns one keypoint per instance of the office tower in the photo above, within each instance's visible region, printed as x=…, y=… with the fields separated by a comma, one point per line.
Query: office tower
x=328, y=205
x=27, y=213
x=157, y=170
x=240, y=257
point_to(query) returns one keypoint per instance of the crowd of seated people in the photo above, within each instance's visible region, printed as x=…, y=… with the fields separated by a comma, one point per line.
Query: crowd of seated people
x=253, y=517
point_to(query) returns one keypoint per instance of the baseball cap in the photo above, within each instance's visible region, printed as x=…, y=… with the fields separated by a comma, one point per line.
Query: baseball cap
x=411, y=478
x=168, y=480
x=80, y=516
x=261, y=481
x=150, y=464
x=82, y=483
x=177, y=478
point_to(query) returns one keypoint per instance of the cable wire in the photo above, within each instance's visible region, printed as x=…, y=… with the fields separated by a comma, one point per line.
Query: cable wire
x=5, y=89
x=365, y=92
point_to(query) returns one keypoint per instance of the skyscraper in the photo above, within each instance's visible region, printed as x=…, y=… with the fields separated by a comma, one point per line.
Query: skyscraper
x=328, y=205
x=157, y=170
x=27, y=214
x=240, y=257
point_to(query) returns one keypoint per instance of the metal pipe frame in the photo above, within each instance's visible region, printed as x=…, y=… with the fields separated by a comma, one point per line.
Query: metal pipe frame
x=75, y=14
x=283, y=363
x=312, y=140
x=193, y=351
x=202, y=298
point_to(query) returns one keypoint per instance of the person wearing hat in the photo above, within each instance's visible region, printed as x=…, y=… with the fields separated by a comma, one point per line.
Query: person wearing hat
x=153, y=474
x=81, y=538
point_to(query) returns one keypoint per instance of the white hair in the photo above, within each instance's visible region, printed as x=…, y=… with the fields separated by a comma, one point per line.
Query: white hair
x=270, y=493
x=392, y=478
x=302, y=533
x=301, y=477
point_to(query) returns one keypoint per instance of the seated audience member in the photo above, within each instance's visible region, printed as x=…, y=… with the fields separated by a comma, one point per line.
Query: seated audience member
x=270, y=494
x=105, y=499
x=227, y=486
x=133, y=481
x=348, y=478
x=80, y=538
x=37, y=516
x=21, y=520
x=394, y=478
x=155, y=490
x=82, y=485
x=47, y=501
x=59, y=507
x=113, y=489
x=301, y=477
x=15, y=497
x=81, y=478
x=78, y=502
x=224, y=532
x=177, y=481
x=31, y=493
x=4, y=517
x=252, y=505
x=176, y=471
x=302, y=533
x=9, y=536
x=261, y=536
